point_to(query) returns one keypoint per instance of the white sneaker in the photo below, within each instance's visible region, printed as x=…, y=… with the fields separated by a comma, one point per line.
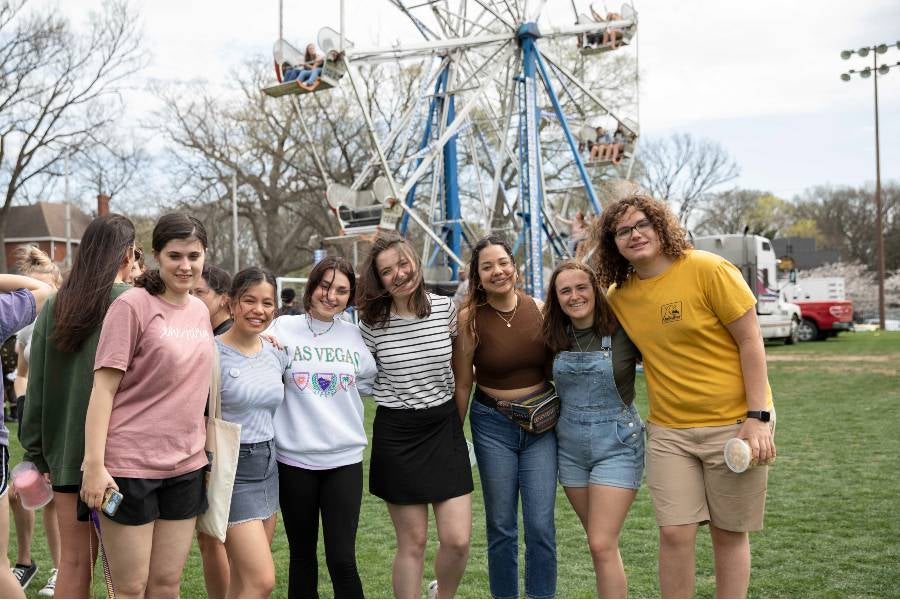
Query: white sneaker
x=433, y=589
x=48, y=590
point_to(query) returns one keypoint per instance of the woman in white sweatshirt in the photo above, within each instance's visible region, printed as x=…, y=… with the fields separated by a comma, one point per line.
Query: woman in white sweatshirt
x=319, y=431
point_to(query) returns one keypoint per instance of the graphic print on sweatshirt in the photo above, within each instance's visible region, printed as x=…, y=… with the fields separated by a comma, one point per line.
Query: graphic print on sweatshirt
x=324, y=383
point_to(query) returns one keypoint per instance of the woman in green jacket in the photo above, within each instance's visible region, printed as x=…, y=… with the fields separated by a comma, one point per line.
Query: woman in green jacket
x=59, y=385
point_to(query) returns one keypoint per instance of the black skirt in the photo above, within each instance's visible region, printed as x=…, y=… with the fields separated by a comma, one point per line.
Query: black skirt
x=419, y=456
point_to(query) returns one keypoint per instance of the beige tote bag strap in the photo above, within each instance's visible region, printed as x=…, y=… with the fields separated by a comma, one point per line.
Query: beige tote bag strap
x=214, y=402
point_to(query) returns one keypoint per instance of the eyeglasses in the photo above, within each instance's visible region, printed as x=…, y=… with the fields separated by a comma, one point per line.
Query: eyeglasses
x=642, y=226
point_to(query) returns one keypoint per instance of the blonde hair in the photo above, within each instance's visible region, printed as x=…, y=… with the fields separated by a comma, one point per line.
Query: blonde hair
x=31, y=261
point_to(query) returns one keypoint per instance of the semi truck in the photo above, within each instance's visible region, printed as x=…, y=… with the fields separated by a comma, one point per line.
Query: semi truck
x=778, y=318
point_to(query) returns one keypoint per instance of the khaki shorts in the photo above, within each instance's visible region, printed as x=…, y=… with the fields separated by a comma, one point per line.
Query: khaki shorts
x=690, y=483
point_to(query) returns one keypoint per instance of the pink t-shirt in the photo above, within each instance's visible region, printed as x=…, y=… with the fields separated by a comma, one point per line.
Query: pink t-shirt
x=157, y=428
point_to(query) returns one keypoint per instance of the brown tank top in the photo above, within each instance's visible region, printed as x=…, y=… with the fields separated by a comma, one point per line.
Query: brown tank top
x=514, y=357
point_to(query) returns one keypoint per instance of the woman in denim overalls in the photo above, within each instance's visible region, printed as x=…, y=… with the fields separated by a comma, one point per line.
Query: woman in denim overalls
x=600, y=434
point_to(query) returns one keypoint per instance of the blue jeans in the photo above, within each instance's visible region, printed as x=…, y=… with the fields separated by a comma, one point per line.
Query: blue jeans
x=512, y=461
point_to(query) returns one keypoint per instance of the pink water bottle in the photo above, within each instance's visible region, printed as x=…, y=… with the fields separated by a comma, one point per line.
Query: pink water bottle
x=33, y=490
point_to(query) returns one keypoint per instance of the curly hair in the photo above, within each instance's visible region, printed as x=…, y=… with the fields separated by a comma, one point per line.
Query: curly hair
x=557, y=324
x=607, y=261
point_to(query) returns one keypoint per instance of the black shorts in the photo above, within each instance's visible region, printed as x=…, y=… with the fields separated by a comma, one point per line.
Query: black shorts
x=146, y=500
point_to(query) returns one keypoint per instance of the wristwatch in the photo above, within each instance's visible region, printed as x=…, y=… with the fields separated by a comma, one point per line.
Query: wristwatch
x=762, y=415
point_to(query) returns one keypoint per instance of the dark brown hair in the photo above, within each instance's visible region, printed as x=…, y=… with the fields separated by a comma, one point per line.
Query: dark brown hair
x=246, y=279
x=217, y=279
x=475, y=295
x=171, y=226
x=329, y=263
x=607, y=261
x=83, y=298
x=373, y=300
x=557, y=327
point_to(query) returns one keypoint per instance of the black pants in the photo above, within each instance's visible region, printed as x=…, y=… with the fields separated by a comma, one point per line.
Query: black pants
x=337, y=494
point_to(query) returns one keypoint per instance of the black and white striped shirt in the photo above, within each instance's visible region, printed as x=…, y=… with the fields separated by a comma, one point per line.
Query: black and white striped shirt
x=413, y=357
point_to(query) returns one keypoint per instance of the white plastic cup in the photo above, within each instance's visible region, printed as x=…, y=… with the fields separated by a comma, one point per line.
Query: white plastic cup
x=33, y=490
x=737, y=455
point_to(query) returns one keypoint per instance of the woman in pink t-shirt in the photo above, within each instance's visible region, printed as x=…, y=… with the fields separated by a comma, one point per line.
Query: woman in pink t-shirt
x=145, y=429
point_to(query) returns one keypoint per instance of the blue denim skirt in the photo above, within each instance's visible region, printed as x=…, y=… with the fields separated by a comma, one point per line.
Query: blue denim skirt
x=255, y=495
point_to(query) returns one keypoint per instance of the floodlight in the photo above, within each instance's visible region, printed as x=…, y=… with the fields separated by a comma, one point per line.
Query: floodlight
x=883, y=69
x=881, y=48
x=867, y=72
x=864, y=51
x=845, y=76
x=846, y=54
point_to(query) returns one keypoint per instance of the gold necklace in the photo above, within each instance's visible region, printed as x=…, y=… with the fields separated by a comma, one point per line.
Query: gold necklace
x=513, y=316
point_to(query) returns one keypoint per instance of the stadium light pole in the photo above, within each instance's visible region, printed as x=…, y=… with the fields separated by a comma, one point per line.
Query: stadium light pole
x=875, y=70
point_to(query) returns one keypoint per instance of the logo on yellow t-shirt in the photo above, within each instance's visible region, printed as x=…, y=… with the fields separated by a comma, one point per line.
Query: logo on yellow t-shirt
x=671, y=312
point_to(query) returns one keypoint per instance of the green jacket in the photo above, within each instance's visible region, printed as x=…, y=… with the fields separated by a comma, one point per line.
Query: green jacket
x=59, y=387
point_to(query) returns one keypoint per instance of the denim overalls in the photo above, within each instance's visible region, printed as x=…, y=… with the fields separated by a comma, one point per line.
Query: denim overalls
x=600, y=438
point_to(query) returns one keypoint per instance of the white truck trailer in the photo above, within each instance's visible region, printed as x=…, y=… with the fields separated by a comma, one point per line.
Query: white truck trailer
x=755, y=257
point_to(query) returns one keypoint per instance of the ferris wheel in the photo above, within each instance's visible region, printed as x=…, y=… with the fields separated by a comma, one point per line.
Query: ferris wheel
x=502, y=108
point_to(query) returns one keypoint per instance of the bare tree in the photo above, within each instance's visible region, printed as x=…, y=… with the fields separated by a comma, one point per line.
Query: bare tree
x=681, y=169
x=59, y=85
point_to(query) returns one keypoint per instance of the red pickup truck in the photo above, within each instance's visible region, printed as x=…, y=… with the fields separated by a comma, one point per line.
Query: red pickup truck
x=824, y=319
x=822, y=300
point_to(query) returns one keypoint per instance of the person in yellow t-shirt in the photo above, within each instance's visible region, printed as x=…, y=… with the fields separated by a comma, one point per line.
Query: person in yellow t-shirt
x=693, y=318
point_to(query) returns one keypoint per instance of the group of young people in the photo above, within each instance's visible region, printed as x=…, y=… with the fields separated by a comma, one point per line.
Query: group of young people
x=120, y=377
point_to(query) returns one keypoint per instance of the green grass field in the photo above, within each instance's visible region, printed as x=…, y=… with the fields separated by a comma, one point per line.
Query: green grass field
x=831, y=528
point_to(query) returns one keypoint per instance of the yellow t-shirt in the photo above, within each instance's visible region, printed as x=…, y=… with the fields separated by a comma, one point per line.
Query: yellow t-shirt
x=677, y=320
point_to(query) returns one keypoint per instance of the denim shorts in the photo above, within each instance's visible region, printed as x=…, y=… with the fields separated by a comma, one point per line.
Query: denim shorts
x=599, y=448
x=255, y=495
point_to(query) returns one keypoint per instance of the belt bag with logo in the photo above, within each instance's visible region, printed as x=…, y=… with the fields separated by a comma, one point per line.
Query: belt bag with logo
x=535, y=413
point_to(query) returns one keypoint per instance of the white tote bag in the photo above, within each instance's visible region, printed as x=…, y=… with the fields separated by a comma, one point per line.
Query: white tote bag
x=223, y=444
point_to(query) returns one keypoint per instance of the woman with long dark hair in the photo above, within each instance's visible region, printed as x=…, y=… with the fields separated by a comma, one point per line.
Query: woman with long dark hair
x=500, y=348
x=600, y=434
x=145, y=429
x=59, y=383
x=320, y=431
x=419, y=454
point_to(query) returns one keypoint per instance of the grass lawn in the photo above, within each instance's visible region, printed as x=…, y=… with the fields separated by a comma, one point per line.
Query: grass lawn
x=831, y=527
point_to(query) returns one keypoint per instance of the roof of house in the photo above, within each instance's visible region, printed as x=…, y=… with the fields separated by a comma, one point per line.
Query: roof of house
x=44, y=220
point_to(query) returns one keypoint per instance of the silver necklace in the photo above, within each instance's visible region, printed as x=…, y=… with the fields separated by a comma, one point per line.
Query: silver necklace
x=512, y=316
x=318, y=333
x=577, y=343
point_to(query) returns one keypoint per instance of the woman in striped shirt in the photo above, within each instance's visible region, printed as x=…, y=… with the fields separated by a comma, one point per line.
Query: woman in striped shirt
x=419, y=454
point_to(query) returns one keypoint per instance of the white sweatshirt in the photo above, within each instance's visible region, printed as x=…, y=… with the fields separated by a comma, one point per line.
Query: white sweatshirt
x=320, y=424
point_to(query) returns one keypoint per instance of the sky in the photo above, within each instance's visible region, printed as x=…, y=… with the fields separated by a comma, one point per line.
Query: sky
x=760, y=78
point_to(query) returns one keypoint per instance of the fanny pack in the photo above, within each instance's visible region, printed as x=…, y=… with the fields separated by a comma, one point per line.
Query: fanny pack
x=535, y=413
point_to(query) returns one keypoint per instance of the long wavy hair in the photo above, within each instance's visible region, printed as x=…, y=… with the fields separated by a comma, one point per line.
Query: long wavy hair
x=83, y=298
x=609, y=263
x=557, y=327
x=373, y=300
x=171, y=226
x=476, y=296
x=31, y=261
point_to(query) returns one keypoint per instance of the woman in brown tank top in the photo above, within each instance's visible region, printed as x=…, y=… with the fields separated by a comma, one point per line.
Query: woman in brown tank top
x=500, y=348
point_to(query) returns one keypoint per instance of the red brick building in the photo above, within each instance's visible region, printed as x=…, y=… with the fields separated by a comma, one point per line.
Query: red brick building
x=44, y=225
